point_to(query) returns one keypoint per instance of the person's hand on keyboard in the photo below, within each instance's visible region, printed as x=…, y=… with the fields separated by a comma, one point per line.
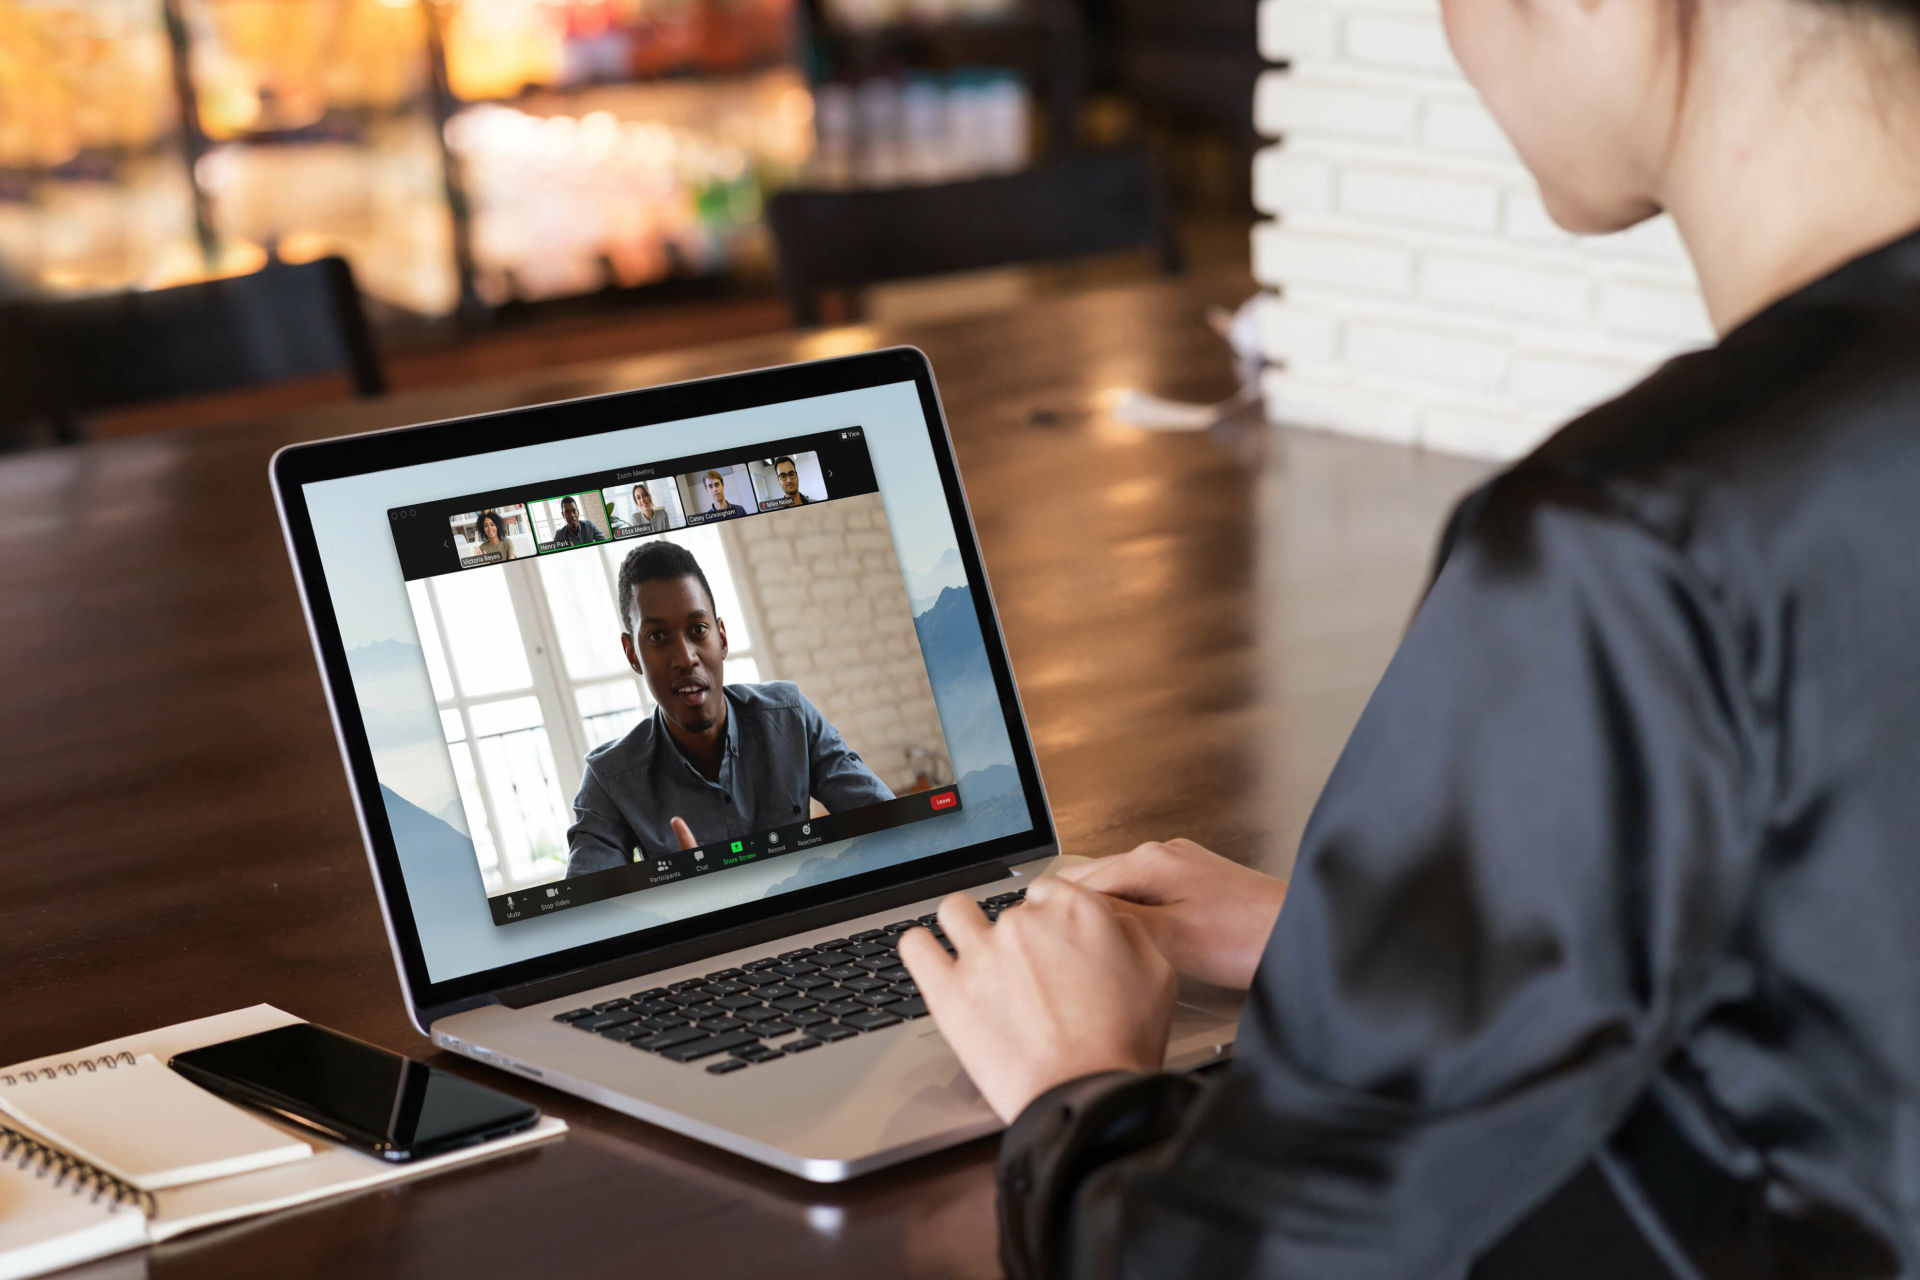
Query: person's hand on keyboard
x=1209, y=915
x=1061, y=987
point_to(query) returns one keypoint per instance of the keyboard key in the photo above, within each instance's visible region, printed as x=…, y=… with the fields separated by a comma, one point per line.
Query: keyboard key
x=728, y=1064
x=840, y=1008
x=841, y=972
x=808, y=1018
x=758, y=1053
x=914, y=1008
x=655, y=1008
x=827, y=959
x=868, y=983
x=809, y=982
x=773, y=1030
x=573, y=1015
x=871, y=1020
x=608, y=1006
x=896, y=974
x=601, y=1021
x=686, y=983
x=708, y=1047
x=688, y=998
x=801, y=1045
x=802, y=953
x=755, y=966
x=907, y=989
x=832, y=944
x=668, y=1039
x=651, y=993
x=866, y=936
x=930, y=920
x=832, y=1033
x=663, y=1024
x=725, y=988
x=723, y=975
x=795, y=968
x=874, y=964
x=878, y=998
x=899, y=927
x=722, y=1024
x=763, y=979
x=867, y=949
x=742, y=1001
x=759, y=1013
x=793, y=1004
x=632, y=1031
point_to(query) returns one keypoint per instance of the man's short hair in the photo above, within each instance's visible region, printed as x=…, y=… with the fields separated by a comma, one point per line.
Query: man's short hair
x=651, y=561
x=569, y=502
x=789, y=461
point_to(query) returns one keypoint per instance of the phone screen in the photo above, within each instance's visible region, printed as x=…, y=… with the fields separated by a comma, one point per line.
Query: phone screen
x=355, y=1091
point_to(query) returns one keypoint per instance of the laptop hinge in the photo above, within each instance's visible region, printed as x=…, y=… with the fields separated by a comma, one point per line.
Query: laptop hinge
x=667, y=957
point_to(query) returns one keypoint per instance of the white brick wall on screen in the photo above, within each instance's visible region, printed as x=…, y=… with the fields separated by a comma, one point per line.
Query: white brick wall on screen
x=832, y=612
x=1420, y=293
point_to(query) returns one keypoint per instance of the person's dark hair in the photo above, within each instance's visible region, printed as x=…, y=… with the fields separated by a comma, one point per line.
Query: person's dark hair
x=789, y=461
x=569, y=502
x=480, y=525
x=652, y=560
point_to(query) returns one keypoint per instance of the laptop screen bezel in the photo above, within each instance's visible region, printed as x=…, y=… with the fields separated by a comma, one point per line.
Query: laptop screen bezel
x=300, y=465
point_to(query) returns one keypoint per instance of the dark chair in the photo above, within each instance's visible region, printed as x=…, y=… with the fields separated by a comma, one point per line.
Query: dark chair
x=1078, y=204
x=62, y=360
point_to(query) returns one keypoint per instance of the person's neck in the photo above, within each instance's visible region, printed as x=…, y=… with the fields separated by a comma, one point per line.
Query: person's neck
x=705, y=746
x=1787, y=165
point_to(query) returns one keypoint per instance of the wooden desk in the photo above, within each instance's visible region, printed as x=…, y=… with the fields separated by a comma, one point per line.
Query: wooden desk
x=1194, y=621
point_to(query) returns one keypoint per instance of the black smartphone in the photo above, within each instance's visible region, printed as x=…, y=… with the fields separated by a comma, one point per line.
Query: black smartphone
x=355, y=1093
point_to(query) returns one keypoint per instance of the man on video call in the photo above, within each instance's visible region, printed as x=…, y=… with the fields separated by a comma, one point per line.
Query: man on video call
x=789, y=477
x=573, y=531
x=714, y=760
x=717, y=504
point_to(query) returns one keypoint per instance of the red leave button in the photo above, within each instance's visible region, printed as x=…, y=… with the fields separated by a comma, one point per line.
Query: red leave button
x=945, y=800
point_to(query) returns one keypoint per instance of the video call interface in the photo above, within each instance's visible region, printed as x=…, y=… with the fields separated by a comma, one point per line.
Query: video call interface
x=676, y=668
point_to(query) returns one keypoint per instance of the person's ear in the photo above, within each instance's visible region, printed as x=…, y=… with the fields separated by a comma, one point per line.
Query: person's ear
x=720, y=625
x=633, y=659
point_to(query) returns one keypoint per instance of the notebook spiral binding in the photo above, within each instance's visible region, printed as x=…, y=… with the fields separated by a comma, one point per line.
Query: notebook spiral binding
x=86, y=1179
x=107, y=1062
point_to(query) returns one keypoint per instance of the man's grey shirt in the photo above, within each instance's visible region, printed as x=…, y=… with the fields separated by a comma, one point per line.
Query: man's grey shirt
x=780, y=751
x=567, y=536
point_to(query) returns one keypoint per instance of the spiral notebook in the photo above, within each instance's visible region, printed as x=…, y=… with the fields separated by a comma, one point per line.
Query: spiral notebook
x=58, y=1208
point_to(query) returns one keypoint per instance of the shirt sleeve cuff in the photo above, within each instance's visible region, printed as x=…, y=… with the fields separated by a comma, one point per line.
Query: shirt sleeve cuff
x=1063, y=1137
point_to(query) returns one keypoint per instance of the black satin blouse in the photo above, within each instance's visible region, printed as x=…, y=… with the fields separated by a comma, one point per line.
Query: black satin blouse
x=1602, y=954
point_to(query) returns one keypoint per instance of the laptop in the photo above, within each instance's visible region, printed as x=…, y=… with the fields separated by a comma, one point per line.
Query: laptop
x=665, y=713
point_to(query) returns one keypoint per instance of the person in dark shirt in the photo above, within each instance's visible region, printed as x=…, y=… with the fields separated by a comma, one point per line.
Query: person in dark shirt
x=718, y=508
x=1599, y=956
x=789, y=477
x=573, y=531
x=714, y=760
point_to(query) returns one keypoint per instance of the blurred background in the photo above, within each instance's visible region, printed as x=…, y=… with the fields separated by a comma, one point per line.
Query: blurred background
x=504, y=175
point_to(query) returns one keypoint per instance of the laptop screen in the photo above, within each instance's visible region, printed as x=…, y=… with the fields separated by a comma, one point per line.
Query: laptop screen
x=627, y=679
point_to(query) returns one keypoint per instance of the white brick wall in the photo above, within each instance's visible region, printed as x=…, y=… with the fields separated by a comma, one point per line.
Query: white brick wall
x=831, y=613
x=1420, y=292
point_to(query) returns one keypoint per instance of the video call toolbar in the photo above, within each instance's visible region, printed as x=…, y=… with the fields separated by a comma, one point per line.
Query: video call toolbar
x=654, y=870
x=560, y=514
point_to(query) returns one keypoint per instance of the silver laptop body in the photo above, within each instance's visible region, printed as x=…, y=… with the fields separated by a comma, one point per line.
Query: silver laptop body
x=505, y=934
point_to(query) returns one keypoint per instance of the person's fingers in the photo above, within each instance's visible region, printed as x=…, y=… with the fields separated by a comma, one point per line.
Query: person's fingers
x=963, y=921
x=684, y=834
x=1142, y=874
x=925, y=959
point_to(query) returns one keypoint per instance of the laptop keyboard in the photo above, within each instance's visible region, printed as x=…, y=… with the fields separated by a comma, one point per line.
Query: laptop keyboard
x=778, y=1005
